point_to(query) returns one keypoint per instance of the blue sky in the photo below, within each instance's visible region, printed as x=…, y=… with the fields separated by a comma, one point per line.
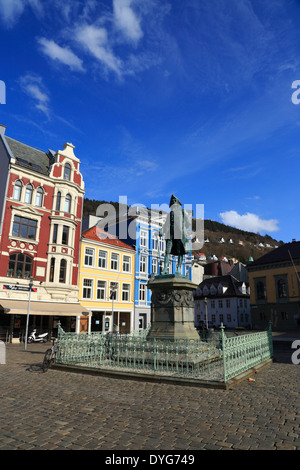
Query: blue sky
x=188, y=97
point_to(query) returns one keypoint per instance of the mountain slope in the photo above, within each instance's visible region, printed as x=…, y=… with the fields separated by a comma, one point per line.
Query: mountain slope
x=244, y=243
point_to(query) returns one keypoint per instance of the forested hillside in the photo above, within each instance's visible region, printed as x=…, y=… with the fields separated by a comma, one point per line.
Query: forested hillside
x=243, y=246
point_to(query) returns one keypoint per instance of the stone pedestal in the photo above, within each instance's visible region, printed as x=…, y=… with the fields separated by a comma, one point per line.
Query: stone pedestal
x=172, y=308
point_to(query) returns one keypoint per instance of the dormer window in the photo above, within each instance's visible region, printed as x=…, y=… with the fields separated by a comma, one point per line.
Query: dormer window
x=67, y=172
x=28, y=193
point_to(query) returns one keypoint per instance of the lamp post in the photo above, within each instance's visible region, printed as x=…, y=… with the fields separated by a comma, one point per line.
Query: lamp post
x=113, y=289
x=28, y=309
x=205, y=303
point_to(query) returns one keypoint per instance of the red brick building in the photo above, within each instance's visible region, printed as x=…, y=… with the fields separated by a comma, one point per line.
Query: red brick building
x=41, y=199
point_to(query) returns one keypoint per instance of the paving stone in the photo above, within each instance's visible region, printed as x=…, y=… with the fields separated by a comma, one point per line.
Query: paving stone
x=63, y=411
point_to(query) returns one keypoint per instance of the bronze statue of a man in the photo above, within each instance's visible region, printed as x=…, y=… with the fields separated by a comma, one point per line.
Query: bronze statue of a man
x=175, y=231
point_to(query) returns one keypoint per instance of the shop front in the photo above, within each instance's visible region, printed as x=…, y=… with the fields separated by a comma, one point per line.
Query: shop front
x=43, y=316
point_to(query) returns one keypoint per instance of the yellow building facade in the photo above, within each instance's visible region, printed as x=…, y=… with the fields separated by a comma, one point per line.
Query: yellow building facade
x=106, y=282
x=274, y=281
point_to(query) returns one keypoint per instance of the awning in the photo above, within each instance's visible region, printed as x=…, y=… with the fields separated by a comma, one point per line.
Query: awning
x=19, y=307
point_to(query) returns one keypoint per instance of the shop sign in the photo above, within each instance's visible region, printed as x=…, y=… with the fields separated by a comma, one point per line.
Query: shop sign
x=20, y=288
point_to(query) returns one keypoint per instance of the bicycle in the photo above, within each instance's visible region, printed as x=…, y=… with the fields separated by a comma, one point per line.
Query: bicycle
x=50, y=356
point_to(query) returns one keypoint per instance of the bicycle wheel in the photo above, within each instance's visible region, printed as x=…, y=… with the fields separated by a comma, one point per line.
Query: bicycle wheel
x=47, y=362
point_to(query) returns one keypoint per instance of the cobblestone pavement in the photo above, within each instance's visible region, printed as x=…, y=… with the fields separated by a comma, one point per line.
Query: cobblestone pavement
x=63, y=410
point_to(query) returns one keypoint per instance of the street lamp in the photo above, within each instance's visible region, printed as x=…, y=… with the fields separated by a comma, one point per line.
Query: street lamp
x=28, y=309
x=113, y=289
x=205, y=303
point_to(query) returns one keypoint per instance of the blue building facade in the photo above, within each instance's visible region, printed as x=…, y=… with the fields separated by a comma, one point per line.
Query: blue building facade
x=141, y=231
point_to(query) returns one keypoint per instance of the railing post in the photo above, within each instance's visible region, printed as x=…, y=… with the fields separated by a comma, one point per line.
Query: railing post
x=223, y=337
x=270, y=339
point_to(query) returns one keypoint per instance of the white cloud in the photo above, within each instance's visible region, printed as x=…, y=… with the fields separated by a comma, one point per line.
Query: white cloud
x=11, y=11
x=33, y=86
x=126, y=20
x=249, y=222
x=62, y=54
x=95, y=40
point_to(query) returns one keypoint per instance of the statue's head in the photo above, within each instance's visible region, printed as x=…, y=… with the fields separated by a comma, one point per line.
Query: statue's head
x=174, y=200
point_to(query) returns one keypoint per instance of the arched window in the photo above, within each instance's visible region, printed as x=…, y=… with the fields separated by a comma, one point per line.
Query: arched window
x=68, y=200
x=58, y=199
x=39, y=197
x=20, y=265
x=17, y=190
x=67, y=172
x=62, y=271
x=28, y=193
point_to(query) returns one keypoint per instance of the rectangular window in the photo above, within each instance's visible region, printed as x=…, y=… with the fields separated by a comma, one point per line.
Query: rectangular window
x=126, y=292
x=142, y=292
x=25, y=228
x=143, y=263
x=228, y=303
x=221, y=318
x=220, y=303
x=52, y=267
x=65, y=235
x=143, y=238
x=212, y=303
x=55, y=229
x=102, y=259
x=155, y=266
x=213, y=318
x=229, y=317
x=114, y=262
x=89, y=257
x=126, y=264
x=87, y=288
x=101, y=290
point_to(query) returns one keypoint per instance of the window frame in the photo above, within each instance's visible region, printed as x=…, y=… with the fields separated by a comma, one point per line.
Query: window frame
x=58, y=201
x=67, y=172
x=30, y=223
x=39, y=197
x=101, y=289
x=89, y=258
x=113, y=261
x=68, y=203
x=28, y=191
x=87, y=288
x=18, y=184
x=127, y=263
x=28, y=260
x=62, y=270
x=126, y=291
x=65, y=238
x=101, y=258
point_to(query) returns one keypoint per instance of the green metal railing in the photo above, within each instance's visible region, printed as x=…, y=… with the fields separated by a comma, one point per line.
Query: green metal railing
x=241, y=353
x=216, y=357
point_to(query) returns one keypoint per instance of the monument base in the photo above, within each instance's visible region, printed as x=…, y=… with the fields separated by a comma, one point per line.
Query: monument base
x=172, y=308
